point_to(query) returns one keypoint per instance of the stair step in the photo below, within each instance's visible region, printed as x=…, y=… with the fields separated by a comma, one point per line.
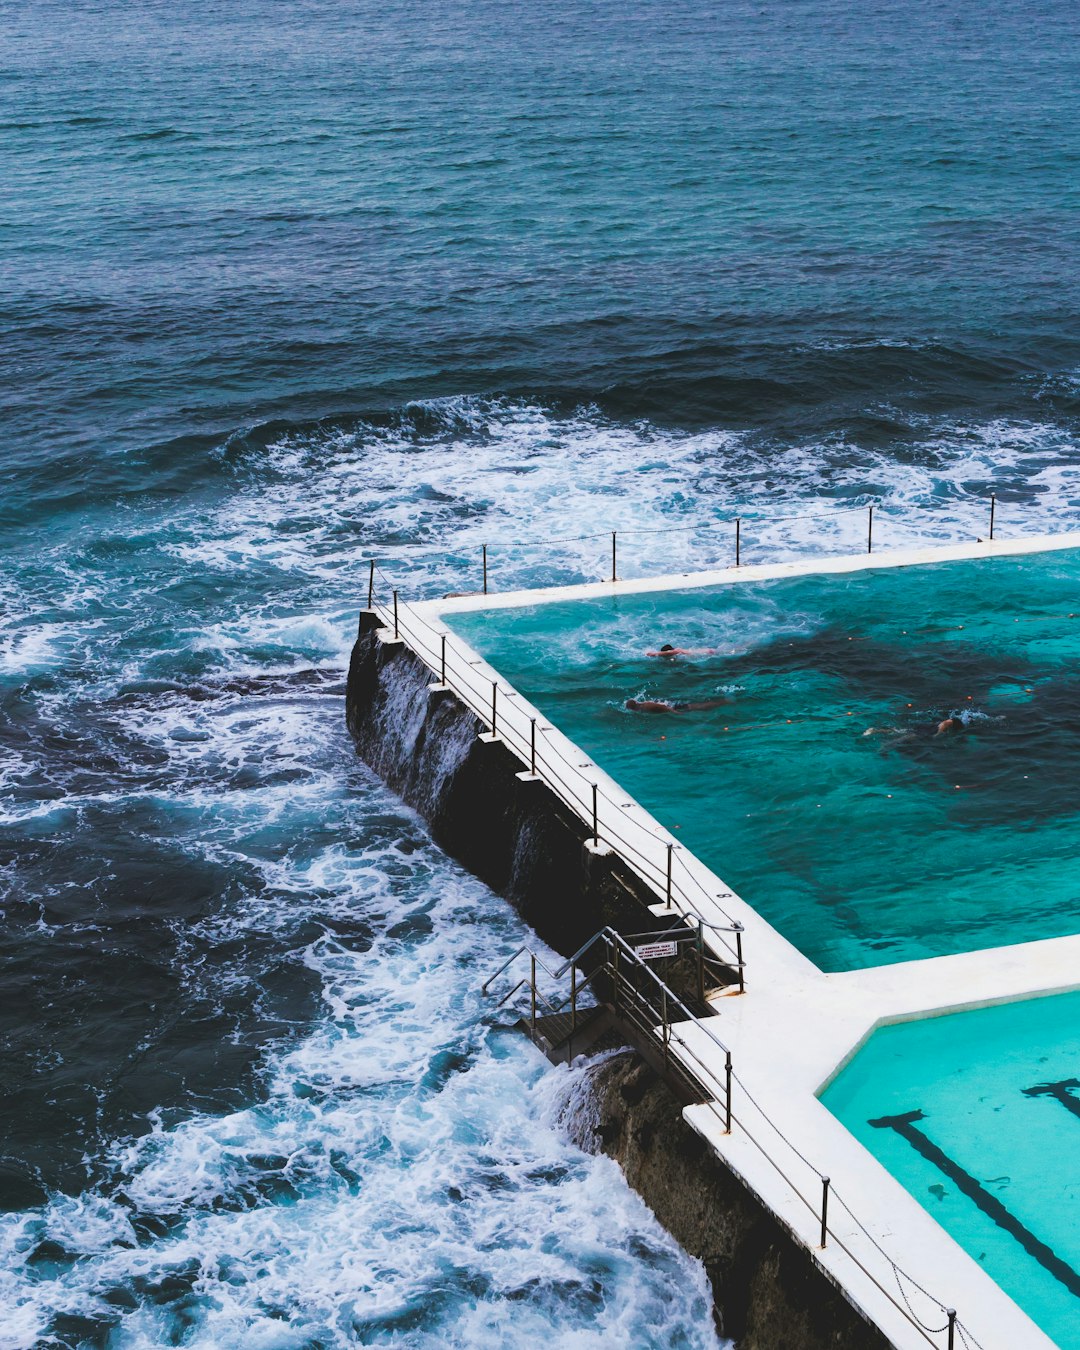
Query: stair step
x=557, y=1036
x=560, y=1038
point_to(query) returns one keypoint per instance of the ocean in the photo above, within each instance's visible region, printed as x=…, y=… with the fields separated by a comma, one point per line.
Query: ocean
x=286, y=287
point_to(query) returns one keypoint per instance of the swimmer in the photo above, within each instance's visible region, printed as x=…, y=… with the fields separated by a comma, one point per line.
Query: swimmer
x=948, y=727
x=669, y=651
x=663, y=705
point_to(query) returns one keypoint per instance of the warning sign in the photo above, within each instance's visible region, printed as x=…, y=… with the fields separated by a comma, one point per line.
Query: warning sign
x=653, y=951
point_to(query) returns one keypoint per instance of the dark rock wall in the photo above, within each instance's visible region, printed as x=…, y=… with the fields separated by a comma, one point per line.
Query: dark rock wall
x=518, y=837
x=521, y=840
x=769, y=1293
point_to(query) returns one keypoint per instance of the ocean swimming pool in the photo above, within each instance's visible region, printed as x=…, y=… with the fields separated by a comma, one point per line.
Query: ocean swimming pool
x=977, y=1114
x=862, y=849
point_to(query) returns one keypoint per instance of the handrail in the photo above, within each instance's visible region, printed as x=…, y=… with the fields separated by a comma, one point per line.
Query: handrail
x=720, y=1104
x=611, y=937
x=677, y=927
x=655, y=874
x=480, y=706
x=521, y=951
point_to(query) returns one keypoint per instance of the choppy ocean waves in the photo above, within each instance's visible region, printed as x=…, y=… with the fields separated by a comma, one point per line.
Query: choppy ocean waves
x=428, y=489
x=302, y=1123
x=255, y=1098
x=398, y=1176
x=259, y=572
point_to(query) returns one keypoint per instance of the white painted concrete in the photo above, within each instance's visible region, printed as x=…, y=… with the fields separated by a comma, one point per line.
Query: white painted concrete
x=849, y=562
x=796, y=1026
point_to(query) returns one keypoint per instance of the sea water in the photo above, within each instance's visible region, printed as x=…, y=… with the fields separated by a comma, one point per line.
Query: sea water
x=797, y=748
x=994, y=1158
x=288, y=286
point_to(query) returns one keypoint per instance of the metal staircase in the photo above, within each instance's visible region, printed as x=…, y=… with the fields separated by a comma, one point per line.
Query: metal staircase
x=607, y=986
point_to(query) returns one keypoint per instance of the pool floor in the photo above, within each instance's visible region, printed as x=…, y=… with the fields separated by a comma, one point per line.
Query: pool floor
x=814, y=784
x=977, y=1114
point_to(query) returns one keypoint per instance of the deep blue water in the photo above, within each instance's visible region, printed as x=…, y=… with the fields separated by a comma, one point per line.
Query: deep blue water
x=283, y=286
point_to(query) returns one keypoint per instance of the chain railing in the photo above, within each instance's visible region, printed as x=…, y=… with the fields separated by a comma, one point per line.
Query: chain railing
x=637, y=995
x=669, y=876
x=730, y=534
x=675, y=882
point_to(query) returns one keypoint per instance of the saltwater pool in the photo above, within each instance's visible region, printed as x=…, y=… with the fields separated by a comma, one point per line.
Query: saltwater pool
x=862, y=849
x=978, y=1115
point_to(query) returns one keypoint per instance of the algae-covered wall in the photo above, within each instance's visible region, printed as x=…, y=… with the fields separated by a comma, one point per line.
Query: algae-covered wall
x=520, y=838
x=769, y=1294
x=517, y=836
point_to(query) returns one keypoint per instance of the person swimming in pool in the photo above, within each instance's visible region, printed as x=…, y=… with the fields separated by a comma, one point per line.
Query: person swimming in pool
x=948, y=726
x=663, y=705
x=667, y=650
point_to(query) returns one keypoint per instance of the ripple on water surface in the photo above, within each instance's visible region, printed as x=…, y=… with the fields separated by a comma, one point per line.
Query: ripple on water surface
x=256, y=1091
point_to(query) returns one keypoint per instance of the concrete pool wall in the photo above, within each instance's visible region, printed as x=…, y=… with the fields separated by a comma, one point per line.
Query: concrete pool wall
x=795, y=1026
x=977, y=1113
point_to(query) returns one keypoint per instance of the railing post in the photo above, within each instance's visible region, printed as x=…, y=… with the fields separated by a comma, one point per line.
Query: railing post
x=371, y=583
x=664, y=1022
x=670, y=851
x=532, y=747
x=738, y=955
x=727, y=1093
x=395, y=615
x=613, y=576
x=532, y=986
x=950, y=1313
x=701, y=958
x=824, y=1210
x=870, y=530
x=485, y=568
x=494, y=695
x=738, y=539
x=595, y=817
x=573, y=1014
x=993, y=506
x=442, y=662
x=615, y=977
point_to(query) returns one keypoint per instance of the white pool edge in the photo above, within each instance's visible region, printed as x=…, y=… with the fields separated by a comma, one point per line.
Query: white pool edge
x=797, y=1025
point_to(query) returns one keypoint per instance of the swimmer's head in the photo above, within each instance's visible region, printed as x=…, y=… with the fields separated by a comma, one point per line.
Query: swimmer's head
x=667, y=647
x=633, y=704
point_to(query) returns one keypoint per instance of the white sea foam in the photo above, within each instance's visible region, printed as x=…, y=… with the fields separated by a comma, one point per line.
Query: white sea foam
x=401, y=1177
x=28, y=646
x=295, y=538
x=522, y=481
x=401, y=1180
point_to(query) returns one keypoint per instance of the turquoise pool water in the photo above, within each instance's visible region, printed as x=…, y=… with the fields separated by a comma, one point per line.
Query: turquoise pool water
x=978, y=1115
x=862, y=849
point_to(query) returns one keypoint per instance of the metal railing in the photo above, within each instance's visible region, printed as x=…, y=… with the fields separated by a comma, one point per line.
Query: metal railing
x=673, y=881
x=637, y=995
x=731, y=533
x=669, y=876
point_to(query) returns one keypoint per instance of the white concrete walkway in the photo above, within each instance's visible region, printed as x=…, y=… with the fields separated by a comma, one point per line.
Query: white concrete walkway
x=796, y=1026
